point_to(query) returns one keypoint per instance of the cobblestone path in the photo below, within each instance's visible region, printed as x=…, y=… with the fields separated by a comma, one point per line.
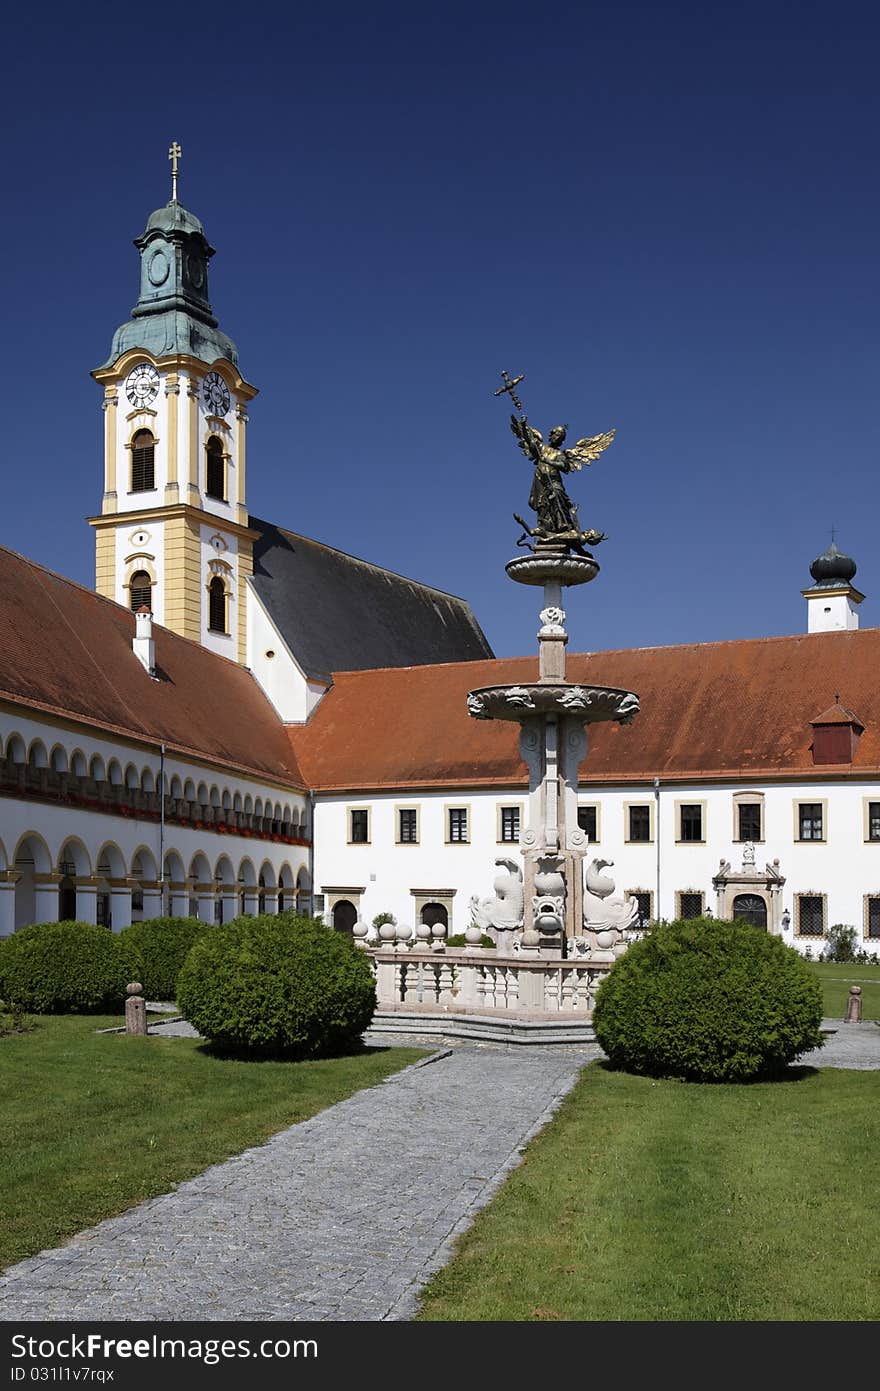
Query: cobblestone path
x=341, y=1217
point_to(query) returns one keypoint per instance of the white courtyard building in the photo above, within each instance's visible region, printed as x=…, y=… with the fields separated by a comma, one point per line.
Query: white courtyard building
x=242, y=719
x=748, y=785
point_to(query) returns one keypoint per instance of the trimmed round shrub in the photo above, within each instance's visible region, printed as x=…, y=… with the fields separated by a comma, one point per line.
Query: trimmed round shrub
x=164, y=944
x=278, y=984
x=708, y=1001
x=67, y=968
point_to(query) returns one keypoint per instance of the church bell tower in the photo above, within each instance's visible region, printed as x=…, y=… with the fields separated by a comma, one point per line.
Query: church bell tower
x=173, y=531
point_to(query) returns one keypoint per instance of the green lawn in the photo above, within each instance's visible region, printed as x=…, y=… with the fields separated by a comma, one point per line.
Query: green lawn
x=674, y=1201
x=91, y=1124
x=836, y=981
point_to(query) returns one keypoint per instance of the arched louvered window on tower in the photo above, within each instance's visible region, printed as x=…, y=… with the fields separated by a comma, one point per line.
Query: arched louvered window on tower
x=217, y=606
x=140, y=588
x=143, y=462
x=215, y=472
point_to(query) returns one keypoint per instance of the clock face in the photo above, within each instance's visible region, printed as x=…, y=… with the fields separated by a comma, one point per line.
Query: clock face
x=216, y=393
x=142, y=385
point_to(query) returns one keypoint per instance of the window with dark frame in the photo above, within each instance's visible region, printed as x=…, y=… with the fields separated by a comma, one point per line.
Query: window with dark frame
x=691, y=821
x=458, y=823
x=811, y=916
x=749, y=814
x=690, y=905
x=873, y=923
x=408, y=825
x=640, y=823
x=810, y=821
x=359, y=827
x=215, y=479
x=510, y=825
x=140, y=590
x=217, y=606
x=588, y=821
x=644, y=902
x=143, y=462
x=874, y=821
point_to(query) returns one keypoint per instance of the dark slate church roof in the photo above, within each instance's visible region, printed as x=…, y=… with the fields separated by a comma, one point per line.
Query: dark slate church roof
x=338, y=613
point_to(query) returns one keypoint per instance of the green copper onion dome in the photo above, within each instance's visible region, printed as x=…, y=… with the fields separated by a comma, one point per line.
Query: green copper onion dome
x=173, y=313
x=832, y=567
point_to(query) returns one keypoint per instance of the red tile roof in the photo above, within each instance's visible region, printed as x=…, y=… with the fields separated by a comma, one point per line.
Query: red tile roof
x=734, y=710
x=67, y=651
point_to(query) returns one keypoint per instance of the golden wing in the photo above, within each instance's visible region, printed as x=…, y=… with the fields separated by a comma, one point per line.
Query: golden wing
x=586, y=450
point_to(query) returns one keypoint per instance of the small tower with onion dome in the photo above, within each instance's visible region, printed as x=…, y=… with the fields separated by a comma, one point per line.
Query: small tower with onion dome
x=832, y=599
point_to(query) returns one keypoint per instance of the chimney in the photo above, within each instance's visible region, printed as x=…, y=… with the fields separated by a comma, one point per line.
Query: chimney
x=142, y=643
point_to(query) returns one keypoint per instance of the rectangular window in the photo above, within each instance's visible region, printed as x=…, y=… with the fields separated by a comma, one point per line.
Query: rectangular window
x=873, y=923
x=510, y=825
x=691, y=821
x=143, y=455
x=458, y=824
x=690, y=905
x=809, y=821
x=408, y=826
x=359, y=827
x=588, y=822
x=811, y=915
x=874, y=821
x=749, y=821
x=643, y=898
x=639, y=823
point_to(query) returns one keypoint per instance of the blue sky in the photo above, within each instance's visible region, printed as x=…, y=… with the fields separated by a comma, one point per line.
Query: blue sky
x=666, y=217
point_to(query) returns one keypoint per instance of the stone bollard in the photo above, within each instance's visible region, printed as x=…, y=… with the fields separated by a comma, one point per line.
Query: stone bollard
x=135, y=1009
x=854, y=1005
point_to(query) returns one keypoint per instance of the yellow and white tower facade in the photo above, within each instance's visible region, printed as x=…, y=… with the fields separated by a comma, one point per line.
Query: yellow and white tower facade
x=173, y=530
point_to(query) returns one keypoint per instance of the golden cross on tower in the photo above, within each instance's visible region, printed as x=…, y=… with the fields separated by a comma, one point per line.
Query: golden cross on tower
x=174, y=154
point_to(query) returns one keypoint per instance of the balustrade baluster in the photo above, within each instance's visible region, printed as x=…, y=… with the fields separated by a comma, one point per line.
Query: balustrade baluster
x=445, y=982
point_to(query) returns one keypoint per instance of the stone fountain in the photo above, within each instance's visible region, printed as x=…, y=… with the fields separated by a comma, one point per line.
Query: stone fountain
x=555, y=937
x=553, y=715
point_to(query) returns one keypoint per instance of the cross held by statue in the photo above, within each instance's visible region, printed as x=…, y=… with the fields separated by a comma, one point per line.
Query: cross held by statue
x=510, y=384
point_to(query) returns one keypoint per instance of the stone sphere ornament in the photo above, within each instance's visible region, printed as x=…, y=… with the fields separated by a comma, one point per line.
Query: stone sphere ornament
x=387, y=932
x=472, y=935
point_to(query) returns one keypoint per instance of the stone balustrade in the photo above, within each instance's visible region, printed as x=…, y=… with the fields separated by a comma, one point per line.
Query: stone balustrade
x=481, y=981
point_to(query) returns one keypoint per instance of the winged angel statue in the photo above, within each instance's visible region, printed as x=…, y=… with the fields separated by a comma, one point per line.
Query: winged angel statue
x=557, y=514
